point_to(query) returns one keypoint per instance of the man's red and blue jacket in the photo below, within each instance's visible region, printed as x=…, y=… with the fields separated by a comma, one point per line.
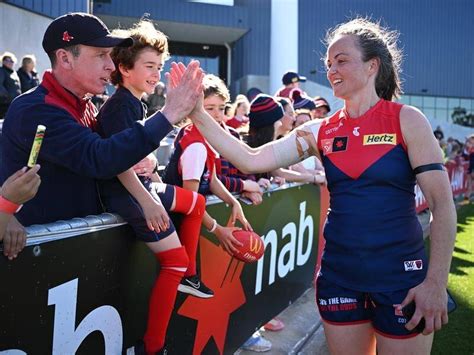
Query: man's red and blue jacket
x=72, y=156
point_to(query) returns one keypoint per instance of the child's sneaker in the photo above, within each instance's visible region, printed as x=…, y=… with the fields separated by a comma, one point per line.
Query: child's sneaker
x=194, y=286
x=274, y=325
x=257, y=343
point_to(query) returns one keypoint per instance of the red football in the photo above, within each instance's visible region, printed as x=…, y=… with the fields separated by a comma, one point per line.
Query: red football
x=252, y=248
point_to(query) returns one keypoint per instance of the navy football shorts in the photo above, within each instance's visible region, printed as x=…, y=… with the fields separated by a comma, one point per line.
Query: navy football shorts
x=341, y=306
x=127, y=207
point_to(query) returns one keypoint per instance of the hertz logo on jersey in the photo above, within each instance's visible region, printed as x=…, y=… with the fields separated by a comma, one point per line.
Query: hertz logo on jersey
x=384, y=138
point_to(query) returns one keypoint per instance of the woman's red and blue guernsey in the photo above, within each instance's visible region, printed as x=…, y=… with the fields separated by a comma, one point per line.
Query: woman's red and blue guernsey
x=374, y=242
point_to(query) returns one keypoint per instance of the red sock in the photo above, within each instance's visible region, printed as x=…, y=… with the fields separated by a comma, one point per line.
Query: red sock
x=163, y=296
x=192, y=205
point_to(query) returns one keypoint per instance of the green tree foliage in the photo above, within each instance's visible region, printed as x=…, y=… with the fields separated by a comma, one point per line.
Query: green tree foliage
x=461, y=117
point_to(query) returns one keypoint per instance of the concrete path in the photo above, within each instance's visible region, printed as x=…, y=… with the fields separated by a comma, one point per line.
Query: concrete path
x=303, y=333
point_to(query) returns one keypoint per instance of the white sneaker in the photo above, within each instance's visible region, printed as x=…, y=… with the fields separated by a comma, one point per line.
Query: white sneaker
x=257, y=343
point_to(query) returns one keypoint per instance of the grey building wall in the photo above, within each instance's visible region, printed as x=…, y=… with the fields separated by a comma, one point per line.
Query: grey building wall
x=21, y=32
x=436, y=37
x=51, y=8
x=251, y=53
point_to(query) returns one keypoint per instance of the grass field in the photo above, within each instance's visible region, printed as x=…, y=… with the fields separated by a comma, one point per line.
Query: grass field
x=457, y=337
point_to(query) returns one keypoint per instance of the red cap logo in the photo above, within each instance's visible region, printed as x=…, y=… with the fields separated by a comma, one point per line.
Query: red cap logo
x=67, y=37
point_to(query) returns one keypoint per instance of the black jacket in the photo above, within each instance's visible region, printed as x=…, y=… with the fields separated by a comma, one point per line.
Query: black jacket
x=27, y=82
x=9, y=85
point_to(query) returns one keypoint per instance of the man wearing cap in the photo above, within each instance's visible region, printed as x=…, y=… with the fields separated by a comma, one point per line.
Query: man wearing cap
x=291, y=80
x=73, y=155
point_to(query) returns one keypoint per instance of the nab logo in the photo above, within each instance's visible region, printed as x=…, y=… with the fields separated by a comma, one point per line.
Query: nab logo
x=384, y=138
x=413, y=265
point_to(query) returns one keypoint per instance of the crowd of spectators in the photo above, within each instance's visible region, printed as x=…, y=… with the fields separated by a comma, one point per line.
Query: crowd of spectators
x=458, y=153
x=257, y=118
x=14, y=83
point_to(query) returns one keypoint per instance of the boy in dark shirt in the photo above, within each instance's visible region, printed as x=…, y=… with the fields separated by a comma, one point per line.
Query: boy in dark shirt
x=143, y=201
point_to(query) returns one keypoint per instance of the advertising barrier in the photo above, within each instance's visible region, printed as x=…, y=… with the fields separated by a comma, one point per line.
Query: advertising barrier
x=82, y=286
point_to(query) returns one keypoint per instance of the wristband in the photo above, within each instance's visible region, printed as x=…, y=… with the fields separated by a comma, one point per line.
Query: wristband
x=9, y=207
x=214, y=226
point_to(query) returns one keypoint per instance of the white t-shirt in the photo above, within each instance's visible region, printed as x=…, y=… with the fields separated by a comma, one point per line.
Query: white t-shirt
x=192, y=161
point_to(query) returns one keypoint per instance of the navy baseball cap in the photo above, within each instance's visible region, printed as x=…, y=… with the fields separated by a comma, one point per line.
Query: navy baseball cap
x=80, y=28
x=292, y=77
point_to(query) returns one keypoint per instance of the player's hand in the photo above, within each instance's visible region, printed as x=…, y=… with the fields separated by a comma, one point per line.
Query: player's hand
x=176, y=73
x=320, y=178
x=184, y=89
x=431, y=302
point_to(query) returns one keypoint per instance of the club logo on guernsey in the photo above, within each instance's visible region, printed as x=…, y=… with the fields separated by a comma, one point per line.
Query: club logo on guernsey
x=333, y=145
x=383, y=138
x=413, y=265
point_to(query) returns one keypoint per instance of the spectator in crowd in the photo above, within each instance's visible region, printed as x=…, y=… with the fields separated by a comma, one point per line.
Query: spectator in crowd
x=252, y=93
x=193, y=167
x=302, y=101
x=291, y=80
x=241, y=113
x=374, y=257
x=438, y=133
x=302, y=116
x=469, y=154
x=322, y=107
x=27, y=74
x=9, y=82
x=16, y=190
x=454, y=152
x=216, y=95
x=144, y=201
x=449, y=145
x=228, y=111
x=288, y=120
x=73, y=156
x=156, y=100
x=99, y=100
x=266, y=115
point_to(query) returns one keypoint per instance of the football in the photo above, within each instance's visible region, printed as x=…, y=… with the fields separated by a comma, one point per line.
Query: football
x=252, y=248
